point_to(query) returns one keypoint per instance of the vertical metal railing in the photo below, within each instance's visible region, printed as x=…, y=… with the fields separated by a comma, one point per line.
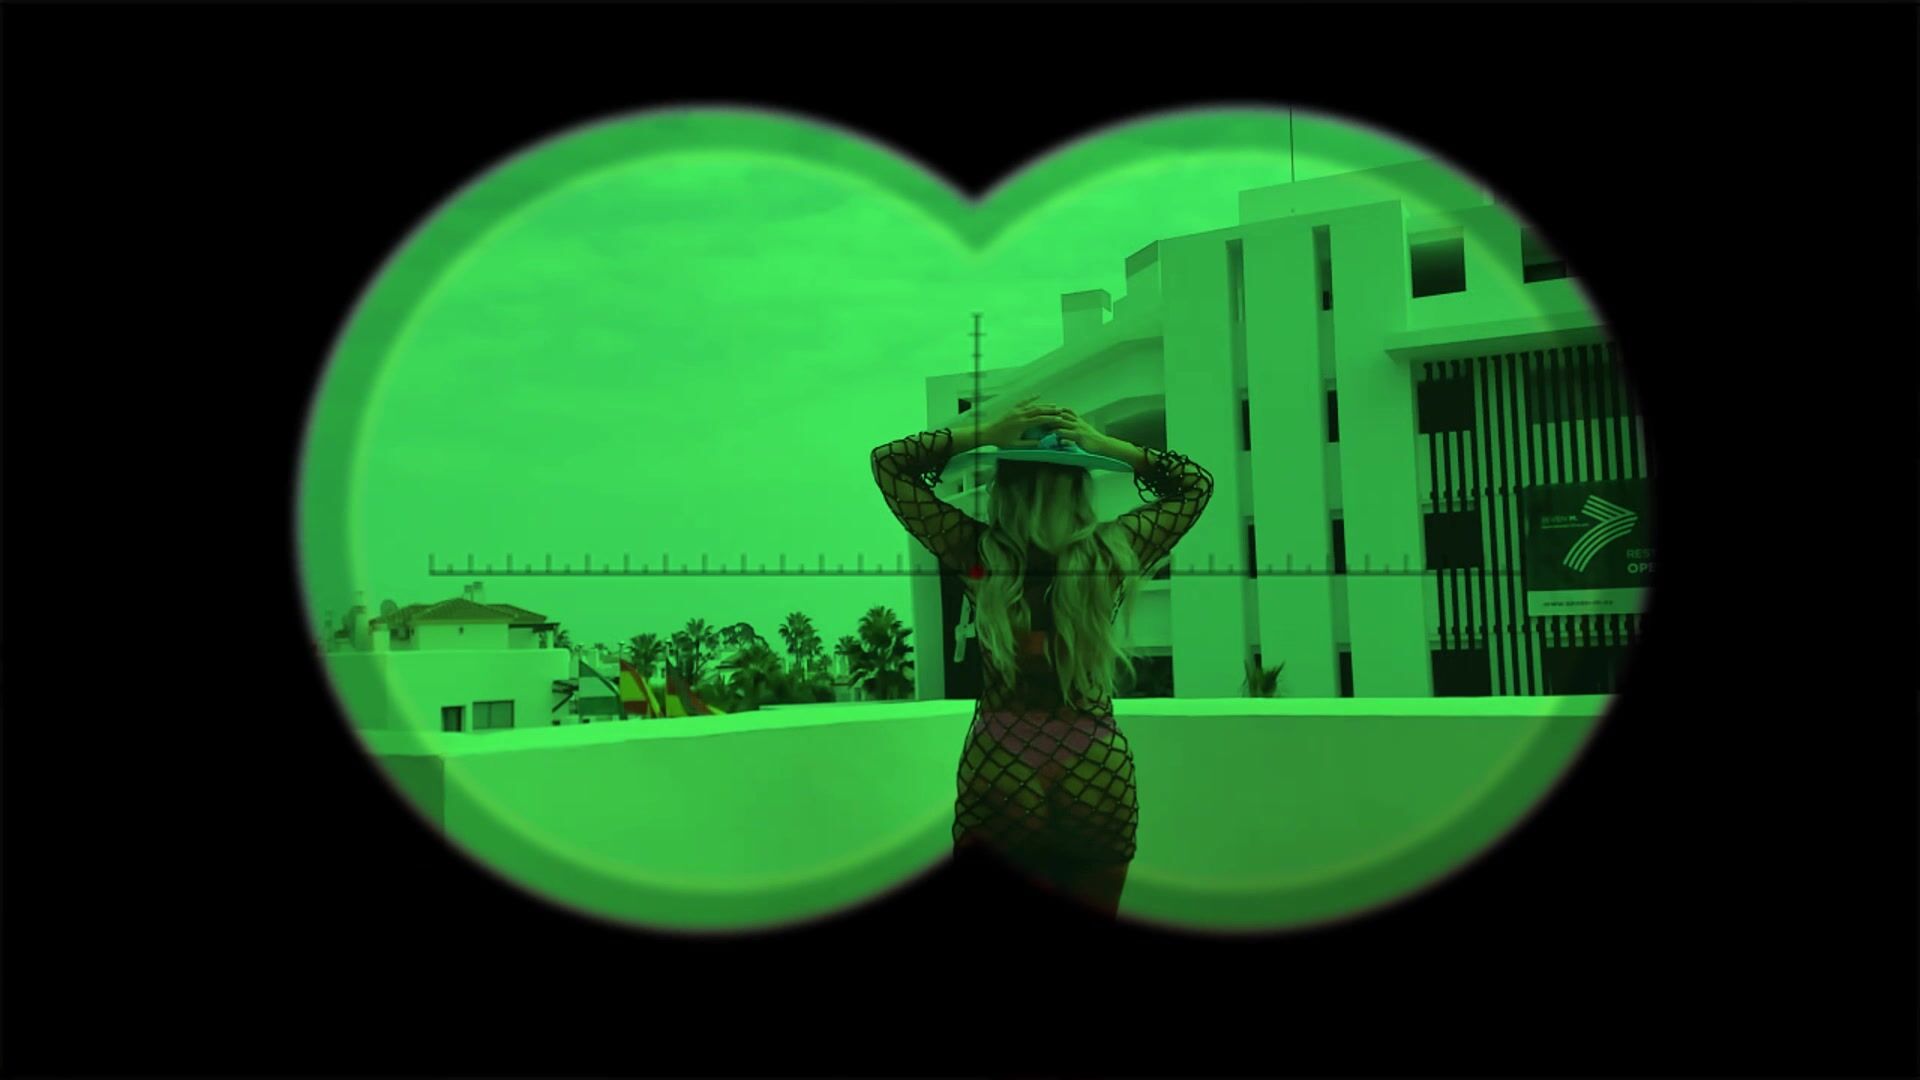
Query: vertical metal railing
x=1515, y=440
x=1542, y=417
x=1490, y=507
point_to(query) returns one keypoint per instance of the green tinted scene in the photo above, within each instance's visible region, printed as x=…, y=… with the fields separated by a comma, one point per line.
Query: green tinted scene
x=599, y=571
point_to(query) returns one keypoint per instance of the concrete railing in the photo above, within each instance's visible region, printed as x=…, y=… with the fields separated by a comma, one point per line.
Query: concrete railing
x=1255, y=813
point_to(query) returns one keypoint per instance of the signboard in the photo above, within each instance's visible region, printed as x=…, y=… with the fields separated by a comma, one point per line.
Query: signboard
x=1589, y=547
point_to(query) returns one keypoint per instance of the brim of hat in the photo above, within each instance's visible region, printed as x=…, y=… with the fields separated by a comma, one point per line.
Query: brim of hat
x=1063, y=457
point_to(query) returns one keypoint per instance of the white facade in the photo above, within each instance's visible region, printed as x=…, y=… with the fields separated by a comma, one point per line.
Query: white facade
x=1234, y=319
x=487, y=670
x=388, y=690
x=433, y=637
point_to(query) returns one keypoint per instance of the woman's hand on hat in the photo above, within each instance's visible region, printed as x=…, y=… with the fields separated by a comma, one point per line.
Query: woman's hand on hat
x=1076, y=430
x=1005, y=431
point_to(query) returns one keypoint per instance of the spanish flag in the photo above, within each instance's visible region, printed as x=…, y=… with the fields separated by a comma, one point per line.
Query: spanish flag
x=682, y=701
x=636, y=697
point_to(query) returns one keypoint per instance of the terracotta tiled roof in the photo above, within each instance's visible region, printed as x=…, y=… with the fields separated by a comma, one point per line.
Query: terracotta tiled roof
x=520, y=615
x=461, y=611
x=400, y=617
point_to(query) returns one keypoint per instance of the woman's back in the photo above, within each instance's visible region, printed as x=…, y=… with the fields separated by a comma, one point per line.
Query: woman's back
x=1046, y=776
x=1037, y=680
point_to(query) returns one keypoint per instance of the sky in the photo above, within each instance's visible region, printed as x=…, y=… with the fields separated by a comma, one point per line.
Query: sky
x=693, y=355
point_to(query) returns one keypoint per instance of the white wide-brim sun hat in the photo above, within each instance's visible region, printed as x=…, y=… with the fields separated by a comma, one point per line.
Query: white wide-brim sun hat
x=975, y=468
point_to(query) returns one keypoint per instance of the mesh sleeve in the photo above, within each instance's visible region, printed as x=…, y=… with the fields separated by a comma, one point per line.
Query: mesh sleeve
x=1179, y=489
x=906, y=470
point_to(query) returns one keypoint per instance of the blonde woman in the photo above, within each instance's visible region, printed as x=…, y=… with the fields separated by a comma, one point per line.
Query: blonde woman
x=1046, y=777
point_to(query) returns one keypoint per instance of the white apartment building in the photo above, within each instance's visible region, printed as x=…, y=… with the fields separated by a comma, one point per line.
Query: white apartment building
x=1284, y=355
x=457, y=665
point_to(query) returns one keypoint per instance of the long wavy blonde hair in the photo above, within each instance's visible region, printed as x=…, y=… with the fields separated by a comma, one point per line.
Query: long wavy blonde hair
x=1035, y=505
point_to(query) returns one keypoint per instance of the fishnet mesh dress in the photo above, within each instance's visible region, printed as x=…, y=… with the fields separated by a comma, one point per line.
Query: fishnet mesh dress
x=1043, y=784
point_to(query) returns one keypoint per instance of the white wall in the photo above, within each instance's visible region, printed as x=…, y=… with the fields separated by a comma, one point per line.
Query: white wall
x=1364, y=801
x=459, y=636
x=397, y=689
x=1286, y=396
x=1211, y=609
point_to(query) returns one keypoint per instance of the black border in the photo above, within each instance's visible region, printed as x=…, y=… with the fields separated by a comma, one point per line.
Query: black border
x=203, y=877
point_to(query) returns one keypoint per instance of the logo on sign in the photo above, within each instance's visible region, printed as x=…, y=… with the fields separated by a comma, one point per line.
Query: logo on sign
x=1610, y=523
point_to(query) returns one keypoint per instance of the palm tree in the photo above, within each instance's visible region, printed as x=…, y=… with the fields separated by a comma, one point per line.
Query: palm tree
x=740, y=635
x=746, y=684
x=812, y=677
x=880, y=657
x=644, y=652
x=803, y=642
x=849, y=647
x=693, y=647
x=757, y=674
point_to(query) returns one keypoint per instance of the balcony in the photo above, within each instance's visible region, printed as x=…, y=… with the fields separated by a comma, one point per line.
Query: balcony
x=1541, y=330
x=1256, y=812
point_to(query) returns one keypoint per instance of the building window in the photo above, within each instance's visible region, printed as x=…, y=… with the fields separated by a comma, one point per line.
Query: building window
x=965, y=404
x=1439, y=266
x=1453, y=539
x=1346, y=672
x=1537, y=261
x=1339, y=546
x=1443, y=400
x=492, y=715
x=1462, y=672
x=450, y=717
x=1333, y=416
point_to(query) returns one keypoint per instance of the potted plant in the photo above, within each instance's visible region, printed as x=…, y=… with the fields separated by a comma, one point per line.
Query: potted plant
x=1263, y=681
